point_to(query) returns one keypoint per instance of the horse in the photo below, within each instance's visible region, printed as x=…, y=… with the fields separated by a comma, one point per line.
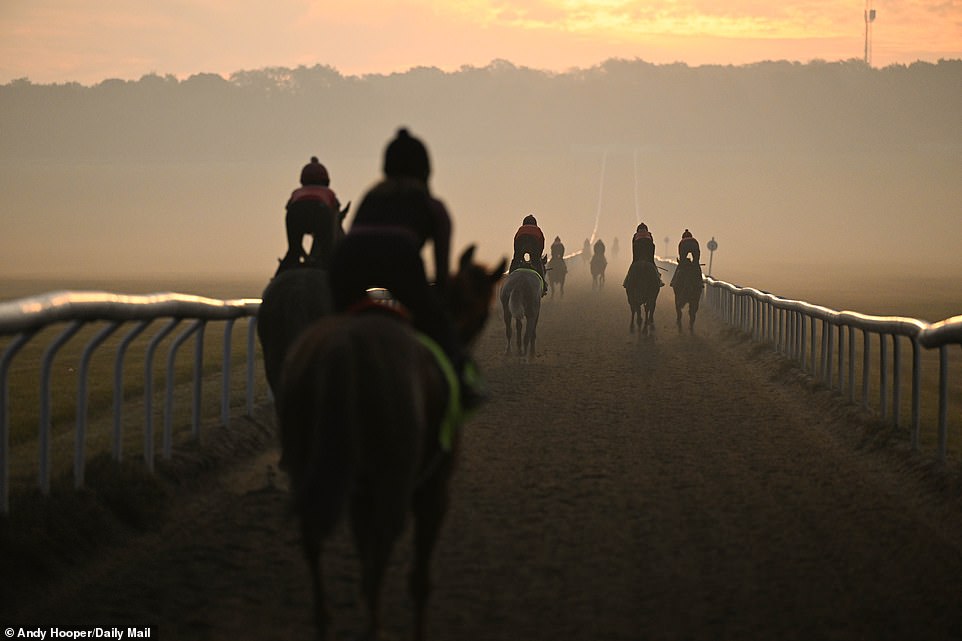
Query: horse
x=521, y=301
x=598, y=265
x=368, y=420
x=297, y=295
x=688, y=285
x=642, y=284
x=557, y=272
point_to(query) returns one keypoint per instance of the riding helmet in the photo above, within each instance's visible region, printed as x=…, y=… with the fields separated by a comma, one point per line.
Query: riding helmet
x=314, y=173
x=406, y=156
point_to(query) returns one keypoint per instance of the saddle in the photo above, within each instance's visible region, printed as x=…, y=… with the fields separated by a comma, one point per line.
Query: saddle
x=538, y=268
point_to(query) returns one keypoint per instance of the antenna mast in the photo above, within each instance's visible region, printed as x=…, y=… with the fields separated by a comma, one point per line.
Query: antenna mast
x=869, y=19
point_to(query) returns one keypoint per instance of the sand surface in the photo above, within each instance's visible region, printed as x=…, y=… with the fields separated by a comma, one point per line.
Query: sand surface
x=617, y=487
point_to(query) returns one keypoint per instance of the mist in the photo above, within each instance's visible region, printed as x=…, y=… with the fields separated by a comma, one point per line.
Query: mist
x=828, y=169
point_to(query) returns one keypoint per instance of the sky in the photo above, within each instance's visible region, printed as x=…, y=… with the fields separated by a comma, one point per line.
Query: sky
x=87, y=41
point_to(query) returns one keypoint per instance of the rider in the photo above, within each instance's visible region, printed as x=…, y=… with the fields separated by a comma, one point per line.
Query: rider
x=529, y=239
x=557, y=248
x=689, y=245
x=396, y=218
x=312, y=209
x=600, y=247
x=642, y=244
x=689, y=255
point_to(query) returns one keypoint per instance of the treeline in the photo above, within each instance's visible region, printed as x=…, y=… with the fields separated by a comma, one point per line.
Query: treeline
x=270, y=112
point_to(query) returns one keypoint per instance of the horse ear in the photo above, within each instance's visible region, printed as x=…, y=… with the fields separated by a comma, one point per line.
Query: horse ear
x=499, y=271
x=344, y=211
x=467, y=257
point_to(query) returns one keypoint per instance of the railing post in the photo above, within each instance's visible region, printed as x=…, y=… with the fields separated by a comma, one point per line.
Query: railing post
x=149, y=391
x=167, y=436
x=916, y=393
x=896, y=381
x=80, y=435
x=225, y=381
x=943, y=434
x=841, y=358
x=11, y=350
x=866, y=366
x=198, y=380
x=118, y=447
x=828, y=341
x=851, y=363
x=251, y=350
x=46, y=426
x=883, y=376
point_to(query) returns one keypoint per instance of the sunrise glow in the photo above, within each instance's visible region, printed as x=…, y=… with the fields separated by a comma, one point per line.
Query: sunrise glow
x=58, y=41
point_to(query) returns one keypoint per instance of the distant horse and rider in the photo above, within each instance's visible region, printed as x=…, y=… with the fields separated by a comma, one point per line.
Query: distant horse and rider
x=521, y=306
x=557, y=268
x=642, y=284
x=299, y=293
x=598, y=265
x=688, y=281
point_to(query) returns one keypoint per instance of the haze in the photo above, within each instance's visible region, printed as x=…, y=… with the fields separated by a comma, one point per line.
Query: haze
x=773, y=136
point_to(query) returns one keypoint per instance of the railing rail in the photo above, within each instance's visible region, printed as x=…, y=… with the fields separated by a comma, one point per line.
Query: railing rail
x=23, y=318
x=832, y=357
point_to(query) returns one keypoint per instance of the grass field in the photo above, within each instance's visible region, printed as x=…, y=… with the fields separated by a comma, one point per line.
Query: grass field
x=25, y=378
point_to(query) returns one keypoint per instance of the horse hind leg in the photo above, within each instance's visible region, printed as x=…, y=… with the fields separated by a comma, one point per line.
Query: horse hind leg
x=312, y=552
x=430, y=506
x=521, y=336
x=375, y=533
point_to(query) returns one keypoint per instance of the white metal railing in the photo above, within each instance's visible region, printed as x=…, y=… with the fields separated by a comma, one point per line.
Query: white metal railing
x=23, y=318
x=823, y=342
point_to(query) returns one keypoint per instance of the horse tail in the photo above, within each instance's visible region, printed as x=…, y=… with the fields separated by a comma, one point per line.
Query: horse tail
x=516, y=302
x=317, y=412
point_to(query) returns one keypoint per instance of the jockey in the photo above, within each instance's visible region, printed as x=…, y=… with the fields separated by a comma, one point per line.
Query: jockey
x=600, y=247
x=312, y=209
x=396, y=218
x=529, y=239
x=688, y=245
x=557, y=248
x=642, y=244
x=689, y=255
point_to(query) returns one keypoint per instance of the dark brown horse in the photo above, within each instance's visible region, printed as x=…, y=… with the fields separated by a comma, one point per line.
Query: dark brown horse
x=688, y=285
x=598, y=265
x=642, y=284
x=366, y=427
x=297, y=296
x=557, y=273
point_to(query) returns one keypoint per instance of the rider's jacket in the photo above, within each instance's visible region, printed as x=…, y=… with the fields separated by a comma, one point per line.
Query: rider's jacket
x=687, y=245
x=314, y=193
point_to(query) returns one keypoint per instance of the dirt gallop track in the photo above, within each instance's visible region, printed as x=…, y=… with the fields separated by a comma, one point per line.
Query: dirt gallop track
x=617, y=487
